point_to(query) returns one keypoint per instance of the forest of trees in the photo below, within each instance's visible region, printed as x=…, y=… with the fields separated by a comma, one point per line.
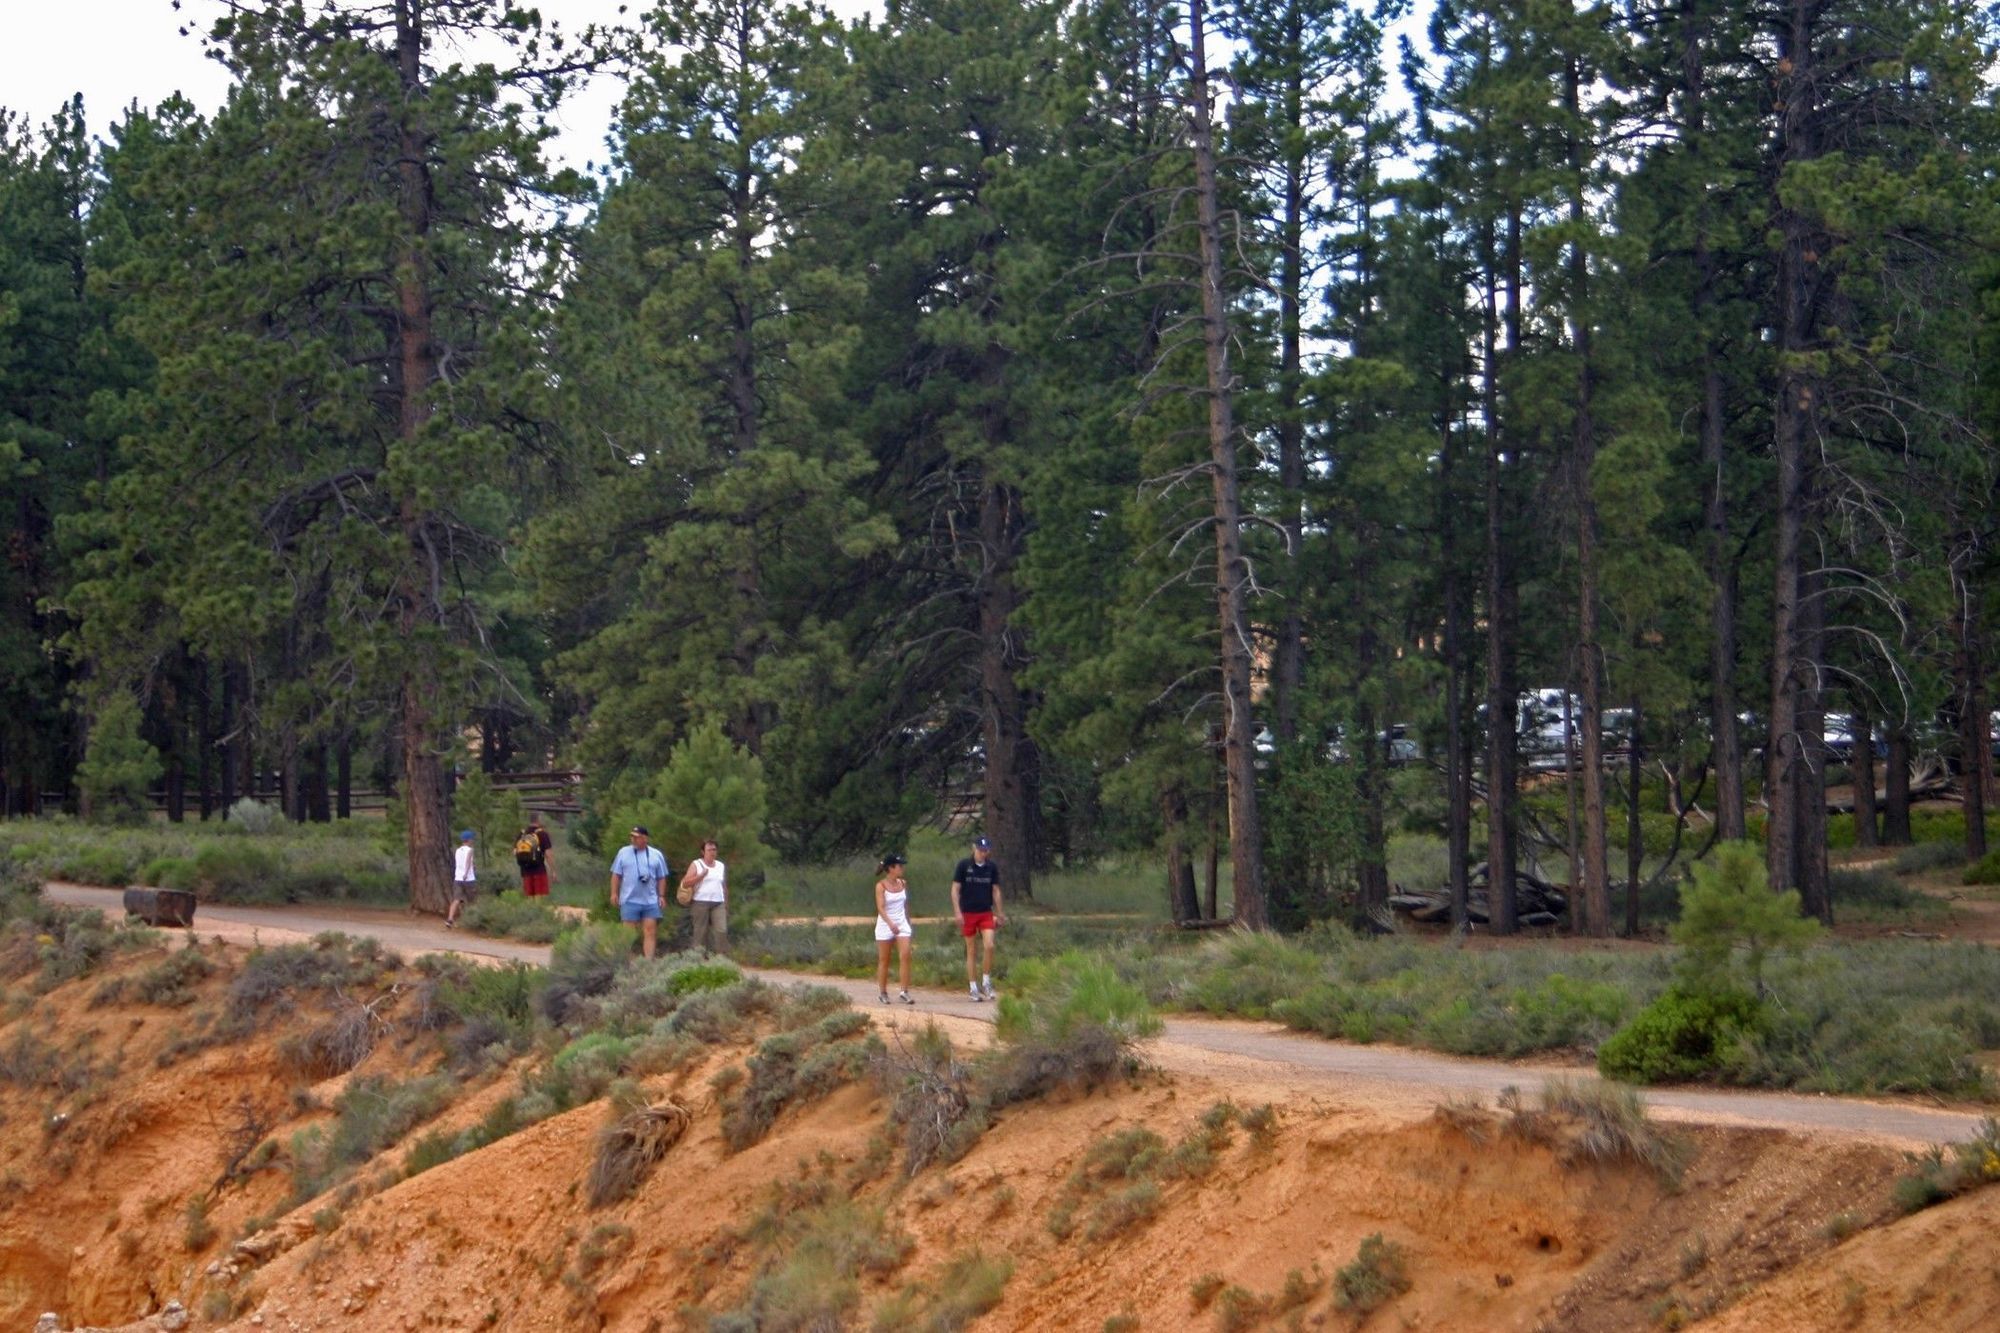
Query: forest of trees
x=1148, y=414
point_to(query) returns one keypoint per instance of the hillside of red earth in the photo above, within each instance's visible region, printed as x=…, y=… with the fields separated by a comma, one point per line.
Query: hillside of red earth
x=312, y=1137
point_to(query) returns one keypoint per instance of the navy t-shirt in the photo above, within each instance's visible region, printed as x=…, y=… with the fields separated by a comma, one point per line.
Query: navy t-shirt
x=975, y=884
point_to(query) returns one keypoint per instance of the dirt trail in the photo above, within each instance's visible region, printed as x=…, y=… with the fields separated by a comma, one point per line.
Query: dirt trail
x=1391, y=1076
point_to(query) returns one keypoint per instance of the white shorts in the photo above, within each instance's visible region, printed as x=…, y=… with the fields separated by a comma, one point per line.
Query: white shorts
x=892, y=928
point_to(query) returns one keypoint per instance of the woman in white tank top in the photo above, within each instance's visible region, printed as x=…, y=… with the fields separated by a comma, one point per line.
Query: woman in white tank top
x=892, y=924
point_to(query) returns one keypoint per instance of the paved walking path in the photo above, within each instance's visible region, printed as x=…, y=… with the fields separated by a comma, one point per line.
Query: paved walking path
x=1415, y=1075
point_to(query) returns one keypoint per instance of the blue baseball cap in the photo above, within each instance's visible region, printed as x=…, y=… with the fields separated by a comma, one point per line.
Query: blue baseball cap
x=465, y=835
x=983, y=844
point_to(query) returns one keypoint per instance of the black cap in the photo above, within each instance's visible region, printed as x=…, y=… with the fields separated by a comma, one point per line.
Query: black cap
x=982, y=844
x=892, y=859
x=641, y=828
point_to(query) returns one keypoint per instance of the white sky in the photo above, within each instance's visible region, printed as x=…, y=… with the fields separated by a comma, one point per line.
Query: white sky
x=118, y=51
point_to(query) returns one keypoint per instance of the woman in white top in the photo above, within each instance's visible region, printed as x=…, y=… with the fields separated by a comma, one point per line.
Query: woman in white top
x=892, y=924
x=708, y=901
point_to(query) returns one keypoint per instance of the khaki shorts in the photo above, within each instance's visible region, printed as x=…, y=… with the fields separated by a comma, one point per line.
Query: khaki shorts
x=709, y=923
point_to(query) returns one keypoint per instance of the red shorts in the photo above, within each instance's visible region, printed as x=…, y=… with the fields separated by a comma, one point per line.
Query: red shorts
x=535, y=883
x=971, y=923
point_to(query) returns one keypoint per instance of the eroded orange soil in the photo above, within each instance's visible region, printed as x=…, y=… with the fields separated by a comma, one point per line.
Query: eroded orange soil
x=1500, y=1232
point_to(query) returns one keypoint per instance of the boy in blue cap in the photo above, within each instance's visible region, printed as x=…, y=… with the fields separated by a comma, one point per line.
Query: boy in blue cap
x=463, y=880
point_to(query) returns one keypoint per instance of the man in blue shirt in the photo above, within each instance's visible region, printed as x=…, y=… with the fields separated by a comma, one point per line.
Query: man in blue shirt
x=639, y=886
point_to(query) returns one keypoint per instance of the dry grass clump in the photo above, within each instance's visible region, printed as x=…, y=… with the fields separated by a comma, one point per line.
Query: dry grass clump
x=631, y=1145
x=815, y=1244
x=1942, y=1173
x=338, y=1044
x=934, y=1098
x=1579, y=1122
x=970, y=1284
x=1599, y=1122
x=794, y=1067
x=1117, y=1185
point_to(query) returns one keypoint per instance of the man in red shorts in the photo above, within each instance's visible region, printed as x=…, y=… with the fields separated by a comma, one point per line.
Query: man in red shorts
x=975, y=901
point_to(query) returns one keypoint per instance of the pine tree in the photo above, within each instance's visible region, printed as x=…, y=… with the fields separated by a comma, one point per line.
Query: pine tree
x=345, y=305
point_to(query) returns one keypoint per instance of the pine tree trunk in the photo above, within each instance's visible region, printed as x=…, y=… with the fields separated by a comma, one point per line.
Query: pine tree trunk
x=1975, y=743
x=1589, y=651
x=1792, y=771
x=424, y=734
x=1212, y=879
x=1231, y=571
x=749, y=724
x=1011, y=793
x=1896, y=790
x=1288, y=657
x=1457, y=756
x=1861, y=764
x=1502, y=698
x=1181, y=899
x=343, y=807
x=232, y=739
x=204, y=743
x=1635, y=828
x=1726, y=744
x=1809, y=849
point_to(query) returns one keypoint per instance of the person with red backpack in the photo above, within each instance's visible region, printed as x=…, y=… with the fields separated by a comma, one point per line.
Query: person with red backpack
x=531, y=854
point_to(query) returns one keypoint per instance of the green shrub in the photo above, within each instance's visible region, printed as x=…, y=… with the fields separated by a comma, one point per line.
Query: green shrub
x=1249, y=973
x=1875, y=894
x=1070, y=1022
x=703, y=976
x=170, y=982
x=170, y=872
x=1986, y=870
x=236, y=870
x=252, y=816
x=511, y=915
x=272, y=979
x=1562, y=1011
x=584, y=965
x=795, y=1067
x=1053, y=998
x=1681, y=1035
x=1378, y=1274
x=1923, y=856
x=370, y=1116
x=97, y=863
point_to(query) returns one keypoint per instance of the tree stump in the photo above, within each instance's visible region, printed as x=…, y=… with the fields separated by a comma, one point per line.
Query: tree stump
x=161, y=907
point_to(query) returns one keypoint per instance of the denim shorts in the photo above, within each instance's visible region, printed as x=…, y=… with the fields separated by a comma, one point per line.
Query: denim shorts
x=631, y=912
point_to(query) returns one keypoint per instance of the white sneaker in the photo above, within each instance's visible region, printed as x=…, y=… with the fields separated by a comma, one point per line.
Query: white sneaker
x=990, y=994
x=906, y=998
x=976, y=996
x=885, y=997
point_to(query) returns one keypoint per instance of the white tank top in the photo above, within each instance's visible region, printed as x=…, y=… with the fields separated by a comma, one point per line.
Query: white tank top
x=894, y=903
x=711, y=887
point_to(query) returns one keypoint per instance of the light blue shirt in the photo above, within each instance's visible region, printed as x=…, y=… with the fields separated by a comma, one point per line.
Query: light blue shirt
x=640, y=874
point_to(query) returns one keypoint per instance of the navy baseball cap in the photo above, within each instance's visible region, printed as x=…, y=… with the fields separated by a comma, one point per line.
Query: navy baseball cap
x=983, y=844
x=892, y=859
x=641, y=829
